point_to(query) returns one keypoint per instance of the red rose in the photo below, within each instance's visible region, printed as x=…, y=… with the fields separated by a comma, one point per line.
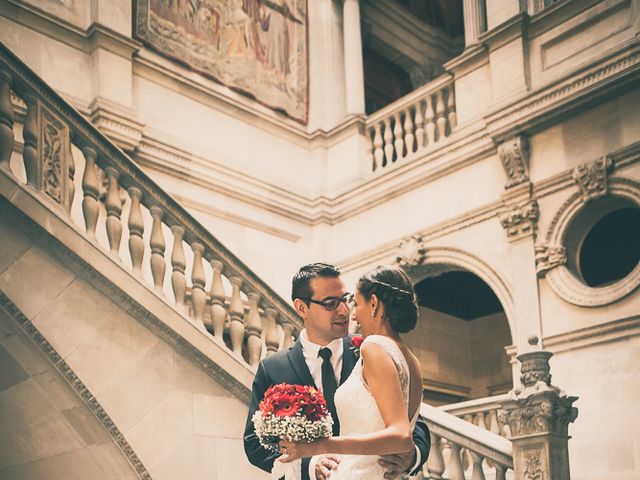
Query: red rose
x=357, y=340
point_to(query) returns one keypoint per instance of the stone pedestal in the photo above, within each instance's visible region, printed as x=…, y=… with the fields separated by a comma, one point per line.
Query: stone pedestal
x=538, y=415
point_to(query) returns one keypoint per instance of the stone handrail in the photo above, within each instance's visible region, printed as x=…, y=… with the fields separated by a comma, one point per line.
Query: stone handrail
x=210, y=286
x=470, y=451
x=411, y=125
x=482, y=412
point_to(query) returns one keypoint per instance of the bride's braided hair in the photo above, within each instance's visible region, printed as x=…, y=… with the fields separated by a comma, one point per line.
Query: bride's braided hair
x=392, y=286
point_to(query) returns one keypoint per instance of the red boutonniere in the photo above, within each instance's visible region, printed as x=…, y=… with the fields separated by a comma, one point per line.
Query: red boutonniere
x=356, y=341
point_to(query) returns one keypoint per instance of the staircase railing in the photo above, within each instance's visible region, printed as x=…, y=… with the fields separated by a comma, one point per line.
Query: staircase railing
x=88, y=179
x=460, y=450
x=482, y=412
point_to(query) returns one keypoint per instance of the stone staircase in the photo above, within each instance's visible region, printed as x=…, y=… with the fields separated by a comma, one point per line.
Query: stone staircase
x=103, y=289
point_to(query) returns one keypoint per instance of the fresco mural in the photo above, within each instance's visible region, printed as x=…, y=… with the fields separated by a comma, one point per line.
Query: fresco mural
x=258, y=47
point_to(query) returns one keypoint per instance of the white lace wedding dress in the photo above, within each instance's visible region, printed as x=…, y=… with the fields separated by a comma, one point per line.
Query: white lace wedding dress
x=358, y=413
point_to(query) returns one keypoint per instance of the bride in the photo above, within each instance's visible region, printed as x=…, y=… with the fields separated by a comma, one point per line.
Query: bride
x=378, y=404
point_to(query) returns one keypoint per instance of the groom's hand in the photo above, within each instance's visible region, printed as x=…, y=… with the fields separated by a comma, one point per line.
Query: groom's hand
x=398, y=463
x=325, y=465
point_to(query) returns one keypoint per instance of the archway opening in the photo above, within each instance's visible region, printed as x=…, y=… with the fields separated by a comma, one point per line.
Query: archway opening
x=460, y=338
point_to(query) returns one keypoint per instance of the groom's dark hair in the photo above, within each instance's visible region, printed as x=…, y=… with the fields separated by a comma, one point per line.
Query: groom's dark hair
x=301, y=282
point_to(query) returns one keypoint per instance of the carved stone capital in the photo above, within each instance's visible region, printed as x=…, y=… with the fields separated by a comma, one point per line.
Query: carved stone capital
x=520, y=221
x=537, y=407
x=514, y=154
x=411, y=252
x=549, y=257
x=592, y=178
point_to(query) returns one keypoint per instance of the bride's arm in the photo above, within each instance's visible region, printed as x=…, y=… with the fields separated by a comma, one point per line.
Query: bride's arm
x=382, y=379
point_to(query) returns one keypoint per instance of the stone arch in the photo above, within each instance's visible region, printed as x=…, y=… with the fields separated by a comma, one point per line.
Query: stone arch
x=461, y=344
x=461, y=259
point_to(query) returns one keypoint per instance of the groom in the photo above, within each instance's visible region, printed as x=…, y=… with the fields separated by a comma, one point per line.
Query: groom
x=321, y=357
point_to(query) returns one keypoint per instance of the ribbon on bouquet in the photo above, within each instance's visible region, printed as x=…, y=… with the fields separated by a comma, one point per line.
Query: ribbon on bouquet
x=290, y=471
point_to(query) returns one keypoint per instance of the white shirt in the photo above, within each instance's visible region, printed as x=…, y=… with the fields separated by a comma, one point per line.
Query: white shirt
x=311, y=351
x=311, y=355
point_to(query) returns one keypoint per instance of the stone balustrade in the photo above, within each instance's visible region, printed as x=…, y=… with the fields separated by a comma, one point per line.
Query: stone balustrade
x=412, y=125
x=86, y=178
x=461, y=450
x=482, y=412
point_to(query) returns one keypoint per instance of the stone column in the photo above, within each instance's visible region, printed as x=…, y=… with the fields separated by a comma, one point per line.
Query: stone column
x=538, y=415
x=474, y=21
x=353, y=68
x=519, y=219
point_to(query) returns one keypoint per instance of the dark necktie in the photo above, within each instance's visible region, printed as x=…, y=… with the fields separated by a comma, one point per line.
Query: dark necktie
x=329, y=386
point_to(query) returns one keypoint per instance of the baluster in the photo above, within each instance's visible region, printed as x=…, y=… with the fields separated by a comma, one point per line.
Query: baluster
x=369, y=150
x=408, y=130
x=271, y=327
x=419, y=122
x=30, y=136
x=136, y=230
x=179, y=264
x=71, y=192
x=435, y=462
x=451, y=107
x=158, y=264
x=90, y=187
x=388, y=142
x=494, y=425
x=479, y=420
x=254, y=329
x=478, y=472
x=468, y=418
x=218, y=310
x=113, y=205
x=378, y=153
x=198, y=295
x=288, y=335
x=431, y=126
x=397, y=133
x=440, y=118
x=501, y=472
x=6, y=121
x=456, y=472
x=236, y=314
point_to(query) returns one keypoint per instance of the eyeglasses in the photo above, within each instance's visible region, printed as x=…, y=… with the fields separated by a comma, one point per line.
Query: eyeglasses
x=332, y=303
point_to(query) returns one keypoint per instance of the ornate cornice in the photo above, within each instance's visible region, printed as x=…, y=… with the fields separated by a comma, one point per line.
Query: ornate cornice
x=78, y=386
x=119, y=125
x=569, y=93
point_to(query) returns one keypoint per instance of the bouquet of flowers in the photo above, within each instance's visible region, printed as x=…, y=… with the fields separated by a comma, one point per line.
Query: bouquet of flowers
x=293, y=413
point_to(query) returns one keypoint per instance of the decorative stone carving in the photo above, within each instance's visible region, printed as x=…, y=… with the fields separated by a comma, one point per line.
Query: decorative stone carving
x=592, y=178
x=548, y=257
x=54, y=142
x=533, y=466
x=538, y=415
x=514, y=154
x=521, y=221
x=411, y=252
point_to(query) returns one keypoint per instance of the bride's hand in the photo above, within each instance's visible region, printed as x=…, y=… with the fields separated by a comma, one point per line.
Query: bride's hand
x=294, y=450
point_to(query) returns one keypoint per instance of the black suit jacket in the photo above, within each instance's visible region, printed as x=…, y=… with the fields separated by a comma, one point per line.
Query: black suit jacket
x=290, y=367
